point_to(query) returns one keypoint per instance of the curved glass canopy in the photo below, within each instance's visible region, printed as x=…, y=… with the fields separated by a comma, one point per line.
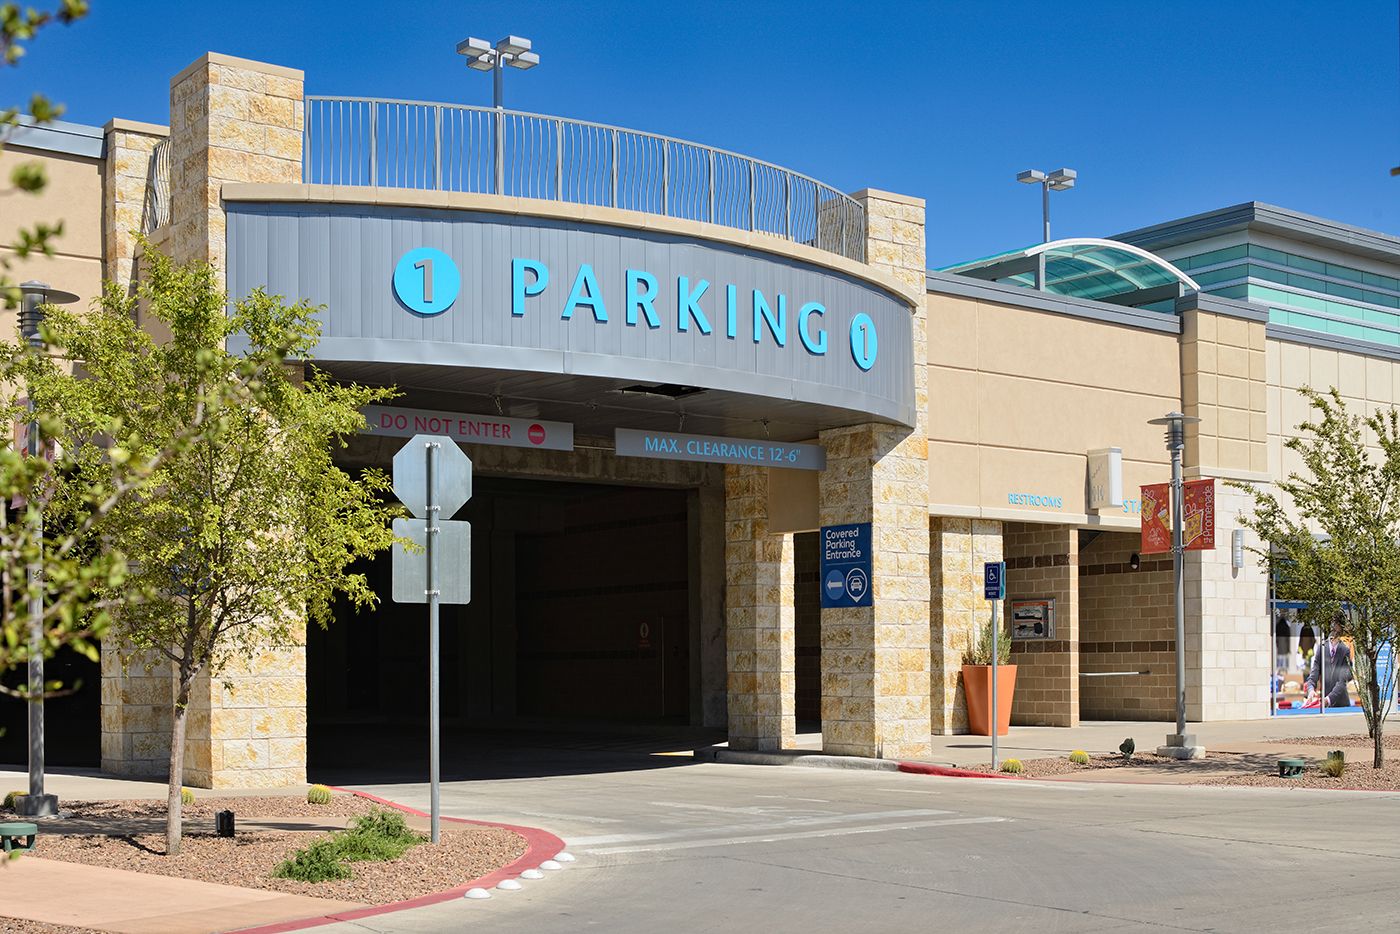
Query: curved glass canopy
x=1087, y=267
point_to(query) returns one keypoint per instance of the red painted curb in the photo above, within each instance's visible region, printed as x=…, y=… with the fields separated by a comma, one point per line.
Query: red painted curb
x=540, y=845
x=921, y=768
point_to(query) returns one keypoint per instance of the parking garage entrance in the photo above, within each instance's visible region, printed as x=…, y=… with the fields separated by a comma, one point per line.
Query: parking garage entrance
x=580, y=617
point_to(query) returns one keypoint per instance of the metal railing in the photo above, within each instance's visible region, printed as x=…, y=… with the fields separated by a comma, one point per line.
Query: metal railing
x=454, y=147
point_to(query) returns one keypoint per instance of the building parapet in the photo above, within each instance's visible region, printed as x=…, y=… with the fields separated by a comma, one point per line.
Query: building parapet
x=952, y=284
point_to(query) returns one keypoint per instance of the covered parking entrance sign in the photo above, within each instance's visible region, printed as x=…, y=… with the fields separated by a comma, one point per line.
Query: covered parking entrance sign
x=845, y=565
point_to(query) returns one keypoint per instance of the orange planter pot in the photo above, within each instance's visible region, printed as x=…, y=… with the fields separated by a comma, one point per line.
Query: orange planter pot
x=977, y=686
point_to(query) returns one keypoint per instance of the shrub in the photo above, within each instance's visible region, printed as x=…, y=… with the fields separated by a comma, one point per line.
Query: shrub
x=318, y=794
x=979, y=650
x=1079, y=757
x=186, y=796
x=11, y=796
x=1013, y=767
x=319, y=862
x=1335, y=765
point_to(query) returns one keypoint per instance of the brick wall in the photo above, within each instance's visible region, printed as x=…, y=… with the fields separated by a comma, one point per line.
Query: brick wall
x=1042, y=562
x=1126, y=623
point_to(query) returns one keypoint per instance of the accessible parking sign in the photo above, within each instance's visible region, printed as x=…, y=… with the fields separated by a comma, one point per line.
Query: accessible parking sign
x=845, y=565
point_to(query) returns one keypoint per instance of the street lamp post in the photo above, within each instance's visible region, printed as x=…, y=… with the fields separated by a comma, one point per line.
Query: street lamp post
x=1180, y=745
x=513, y=52
x=33, y=297
x=1058, y=180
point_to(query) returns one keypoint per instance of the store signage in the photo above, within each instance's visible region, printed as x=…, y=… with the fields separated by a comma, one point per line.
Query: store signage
x=846, y=566
x=1036, y=499
x=398, y=422
x=1198, y=515
x=1156, y=519
x=1106, y=478
x=748, y=452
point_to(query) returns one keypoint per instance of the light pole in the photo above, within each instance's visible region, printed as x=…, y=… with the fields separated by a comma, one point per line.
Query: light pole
x=33, y=297
x=1180, y=745
x=1058, y=180
x=513, y=52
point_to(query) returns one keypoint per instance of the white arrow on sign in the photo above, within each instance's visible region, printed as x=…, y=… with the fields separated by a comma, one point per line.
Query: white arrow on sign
x=452, y=475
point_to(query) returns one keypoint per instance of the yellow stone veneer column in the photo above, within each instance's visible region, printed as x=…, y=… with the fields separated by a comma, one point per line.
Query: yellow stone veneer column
x=875, y=660
x=958, y=548
x=233, y=120
x=760, y=617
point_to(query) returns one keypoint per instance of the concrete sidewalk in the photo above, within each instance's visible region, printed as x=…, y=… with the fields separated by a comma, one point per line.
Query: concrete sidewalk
x=117, y=900
x=1103, y=736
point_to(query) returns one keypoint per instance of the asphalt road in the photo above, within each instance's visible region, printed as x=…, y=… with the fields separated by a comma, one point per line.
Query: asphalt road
x=708, y=847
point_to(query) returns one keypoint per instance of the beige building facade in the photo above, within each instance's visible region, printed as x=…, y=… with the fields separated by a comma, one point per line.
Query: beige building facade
x=686, y=590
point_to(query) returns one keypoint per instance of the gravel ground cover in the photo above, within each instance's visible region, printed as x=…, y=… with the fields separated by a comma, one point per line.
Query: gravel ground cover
x=1226, y=768
x=21, y=926
x=340, y=805
x=249, y=859
x=1390, y=740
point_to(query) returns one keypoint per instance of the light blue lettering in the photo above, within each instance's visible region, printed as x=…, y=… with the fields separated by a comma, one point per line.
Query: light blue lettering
x=520, y=289
x=762, y=313
x=636, y=277
x=688, y=304
x=731, y=306
x=817, y=346
x=586, y=292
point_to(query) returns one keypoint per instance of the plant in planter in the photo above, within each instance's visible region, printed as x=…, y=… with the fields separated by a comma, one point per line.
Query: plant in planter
x=977, y=682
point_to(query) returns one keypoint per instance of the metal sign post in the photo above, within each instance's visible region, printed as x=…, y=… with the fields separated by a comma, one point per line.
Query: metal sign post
x=994, y=589
x=434, y=468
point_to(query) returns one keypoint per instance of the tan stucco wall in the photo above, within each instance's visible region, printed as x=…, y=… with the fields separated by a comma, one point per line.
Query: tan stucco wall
x=73, y=195
x=1017, y=397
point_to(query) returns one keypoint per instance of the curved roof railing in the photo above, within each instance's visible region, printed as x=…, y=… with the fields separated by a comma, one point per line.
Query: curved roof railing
x=454, y=147
x=1086, y=267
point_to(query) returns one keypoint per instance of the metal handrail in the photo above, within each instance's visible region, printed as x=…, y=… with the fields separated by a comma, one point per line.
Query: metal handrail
x=388, y=143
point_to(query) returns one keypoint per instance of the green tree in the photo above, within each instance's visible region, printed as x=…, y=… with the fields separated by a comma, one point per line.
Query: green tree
x=1332, y=536
x=18, y=26
x=250, y=528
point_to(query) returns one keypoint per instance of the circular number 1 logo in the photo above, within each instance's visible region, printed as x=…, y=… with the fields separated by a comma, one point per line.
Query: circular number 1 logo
x=864, y=343
x=426, y=281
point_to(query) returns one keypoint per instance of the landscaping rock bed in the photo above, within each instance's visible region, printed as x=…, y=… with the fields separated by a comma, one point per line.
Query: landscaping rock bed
x=22, y=926
x=340, y=805
x=1224, y=768
x=250, y=858
x=1391, y=740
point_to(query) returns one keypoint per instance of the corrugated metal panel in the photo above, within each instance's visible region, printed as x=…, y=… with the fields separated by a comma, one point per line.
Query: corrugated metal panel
x=343, y=257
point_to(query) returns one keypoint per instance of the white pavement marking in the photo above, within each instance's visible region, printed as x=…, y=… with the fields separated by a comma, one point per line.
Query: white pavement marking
x=601, y=839
x=780, y=837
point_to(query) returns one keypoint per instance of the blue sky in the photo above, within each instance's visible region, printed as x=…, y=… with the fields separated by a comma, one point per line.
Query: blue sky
x=1165, y=109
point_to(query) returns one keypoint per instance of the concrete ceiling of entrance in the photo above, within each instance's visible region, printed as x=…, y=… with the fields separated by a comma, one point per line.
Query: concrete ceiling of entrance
x=595, y=406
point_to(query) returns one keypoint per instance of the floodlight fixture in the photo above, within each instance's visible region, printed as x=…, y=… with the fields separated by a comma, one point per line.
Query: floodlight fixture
x=511, y=51
x=513, y=45
x=1058, y=180
x=524, y=60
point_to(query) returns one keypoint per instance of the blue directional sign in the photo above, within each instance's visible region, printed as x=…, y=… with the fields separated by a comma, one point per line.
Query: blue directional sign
x=994, y=580
x=845, y=565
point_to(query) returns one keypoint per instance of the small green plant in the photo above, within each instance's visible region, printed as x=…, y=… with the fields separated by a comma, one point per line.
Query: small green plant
x=1079, y=757
x=979, y=650
x=378, y=836
x=1013, y=767
x=318, y=794
x=186, y=796
x=1335, y=765
x=11, y=796
x=1127, y=748
x=319, y=862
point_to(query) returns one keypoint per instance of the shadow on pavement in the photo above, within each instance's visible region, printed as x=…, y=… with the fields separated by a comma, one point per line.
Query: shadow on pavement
x=384, y=753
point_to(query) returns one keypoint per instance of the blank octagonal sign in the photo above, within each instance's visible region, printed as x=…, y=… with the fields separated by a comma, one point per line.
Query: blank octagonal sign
x=452, y=475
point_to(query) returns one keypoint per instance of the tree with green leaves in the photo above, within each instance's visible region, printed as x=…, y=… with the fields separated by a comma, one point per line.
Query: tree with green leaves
x=250, y=528
x=1331, y=536
x=18, y=26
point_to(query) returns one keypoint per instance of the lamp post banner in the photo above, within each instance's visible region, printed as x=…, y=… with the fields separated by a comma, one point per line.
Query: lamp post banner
x=1198, y=514
x=1156, y=518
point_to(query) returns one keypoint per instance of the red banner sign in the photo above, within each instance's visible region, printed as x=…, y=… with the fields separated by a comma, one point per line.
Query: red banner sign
x=1156, y=518
x=1198, y=515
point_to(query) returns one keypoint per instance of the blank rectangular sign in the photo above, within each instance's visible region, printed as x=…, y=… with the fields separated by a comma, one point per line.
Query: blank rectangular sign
x=454, y=562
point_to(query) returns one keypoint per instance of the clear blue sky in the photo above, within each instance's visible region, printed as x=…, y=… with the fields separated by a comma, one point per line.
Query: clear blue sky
x=1165, y=109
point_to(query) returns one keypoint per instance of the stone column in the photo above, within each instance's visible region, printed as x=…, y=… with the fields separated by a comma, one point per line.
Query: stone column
x=135, y=715
x=231, y=120
x=134, y=182
x=875, y=660
x=1229, y=630
x=759, y=599
x=958, y=548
